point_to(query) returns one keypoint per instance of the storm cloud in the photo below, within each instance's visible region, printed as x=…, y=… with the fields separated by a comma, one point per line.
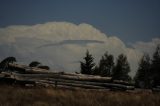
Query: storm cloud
x=61, y=44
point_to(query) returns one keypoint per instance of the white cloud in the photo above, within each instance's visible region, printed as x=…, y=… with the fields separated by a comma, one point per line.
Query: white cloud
x=61, y=44
x=147, y=47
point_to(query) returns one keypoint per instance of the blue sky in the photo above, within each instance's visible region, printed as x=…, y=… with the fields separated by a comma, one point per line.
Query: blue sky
x=58, y=32
x=130, y=20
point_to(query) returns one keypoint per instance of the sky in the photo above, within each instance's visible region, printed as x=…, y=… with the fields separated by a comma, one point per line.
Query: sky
x=130, y=20
x=58, y=32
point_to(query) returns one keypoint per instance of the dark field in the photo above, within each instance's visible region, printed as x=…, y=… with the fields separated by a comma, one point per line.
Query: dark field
x=20, y=96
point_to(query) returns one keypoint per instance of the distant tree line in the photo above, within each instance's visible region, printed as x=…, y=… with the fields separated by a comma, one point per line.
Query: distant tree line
x=148, y=73
x=147, y=76
x=107, y=67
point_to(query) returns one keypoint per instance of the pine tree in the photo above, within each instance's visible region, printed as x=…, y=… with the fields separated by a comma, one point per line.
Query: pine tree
x=87, y=67
x=156, y=66
x=106, y=64
x=143, y=78
x=96, y=70
x=121, y=69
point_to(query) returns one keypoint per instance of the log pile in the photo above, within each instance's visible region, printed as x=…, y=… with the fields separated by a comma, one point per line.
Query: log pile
x=24, y=75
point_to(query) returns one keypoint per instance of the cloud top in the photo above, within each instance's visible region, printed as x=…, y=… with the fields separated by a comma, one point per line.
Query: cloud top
x=61, y=44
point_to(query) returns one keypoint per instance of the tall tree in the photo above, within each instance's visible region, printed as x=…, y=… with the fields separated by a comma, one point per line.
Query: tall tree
x=143, y=75
x=106, y=64
x=121, y=69
x=156, y=66
x=88, y=65
x=96, y=70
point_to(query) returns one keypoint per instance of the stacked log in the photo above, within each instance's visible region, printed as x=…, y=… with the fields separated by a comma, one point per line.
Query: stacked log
x=24, y=75
x=66, y=80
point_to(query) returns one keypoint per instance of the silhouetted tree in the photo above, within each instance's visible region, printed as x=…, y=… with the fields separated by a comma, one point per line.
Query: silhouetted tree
x=96, y=70
x=156, y=66
x=34, y=64
x=88, y=65
x=106, y=64
x=143, y=75
x=4, y=65
x=121, y=69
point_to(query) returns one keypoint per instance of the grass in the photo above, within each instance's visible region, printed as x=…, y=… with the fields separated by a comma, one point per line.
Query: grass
x=20, y=96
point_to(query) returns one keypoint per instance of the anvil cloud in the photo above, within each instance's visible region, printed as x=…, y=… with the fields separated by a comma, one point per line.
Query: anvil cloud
x=61, y=45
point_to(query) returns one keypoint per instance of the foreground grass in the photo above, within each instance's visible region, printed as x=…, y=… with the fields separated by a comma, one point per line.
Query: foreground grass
x=18, y=96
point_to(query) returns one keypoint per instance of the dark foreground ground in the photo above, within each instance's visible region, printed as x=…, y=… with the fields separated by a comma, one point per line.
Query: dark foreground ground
x=20, y=96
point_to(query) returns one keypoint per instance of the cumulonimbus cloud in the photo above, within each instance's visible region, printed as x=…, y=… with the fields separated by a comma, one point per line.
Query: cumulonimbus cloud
x=61, y=44
x=147, y=47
